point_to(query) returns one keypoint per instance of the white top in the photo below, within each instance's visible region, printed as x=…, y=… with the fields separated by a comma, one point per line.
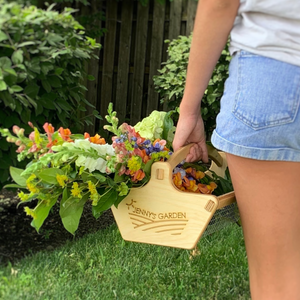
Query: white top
x=269, y=28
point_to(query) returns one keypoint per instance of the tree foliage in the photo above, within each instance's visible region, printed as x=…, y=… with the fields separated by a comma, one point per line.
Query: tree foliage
x=42, y=57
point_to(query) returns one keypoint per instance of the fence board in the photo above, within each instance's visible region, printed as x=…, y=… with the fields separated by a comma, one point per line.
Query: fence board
x=191, y=12
x=156, y=54
x=139, y=63
x=108, y=56
x=133, y=52
x=123, y=60
x=92, y=86
x=175, y=19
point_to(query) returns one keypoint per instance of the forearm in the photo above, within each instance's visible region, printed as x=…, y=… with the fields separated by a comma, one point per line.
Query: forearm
x=213, y=23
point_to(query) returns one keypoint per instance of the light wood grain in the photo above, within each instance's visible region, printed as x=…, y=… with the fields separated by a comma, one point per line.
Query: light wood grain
x=160, y=214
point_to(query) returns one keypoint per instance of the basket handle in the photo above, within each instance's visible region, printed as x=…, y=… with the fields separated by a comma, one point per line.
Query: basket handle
x=179, y=155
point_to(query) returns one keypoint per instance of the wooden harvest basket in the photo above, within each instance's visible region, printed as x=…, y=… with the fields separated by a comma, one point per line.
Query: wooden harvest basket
x=158, y=213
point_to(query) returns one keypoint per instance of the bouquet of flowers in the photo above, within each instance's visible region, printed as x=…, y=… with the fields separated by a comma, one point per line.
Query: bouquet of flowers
x=75, y=169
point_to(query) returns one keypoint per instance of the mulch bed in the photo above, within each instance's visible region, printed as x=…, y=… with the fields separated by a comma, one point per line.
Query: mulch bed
x=19, y=239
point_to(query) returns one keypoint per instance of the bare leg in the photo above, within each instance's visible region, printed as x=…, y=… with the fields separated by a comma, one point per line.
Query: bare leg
x=268, y=196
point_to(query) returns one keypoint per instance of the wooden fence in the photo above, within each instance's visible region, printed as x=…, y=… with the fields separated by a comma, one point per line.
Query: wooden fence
x=133, y=50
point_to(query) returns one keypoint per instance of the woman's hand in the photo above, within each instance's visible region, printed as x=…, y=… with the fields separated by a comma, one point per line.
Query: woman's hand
x=190, y=129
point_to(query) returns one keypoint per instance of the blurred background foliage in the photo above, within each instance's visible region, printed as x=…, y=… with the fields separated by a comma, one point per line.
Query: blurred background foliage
x=44, y=50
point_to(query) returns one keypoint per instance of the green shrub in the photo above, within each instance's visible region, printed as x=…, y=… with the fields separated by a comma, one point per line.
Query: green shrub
x=171, y=82
x=42, y=58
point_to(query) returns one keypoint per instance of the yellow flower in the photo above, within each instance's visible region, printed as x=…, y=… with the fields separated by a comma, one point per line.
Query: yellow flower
x=81, y=169
x=37, y=138
x=92, y=188
x=30, y=212
x=76, y=192
x=32, y=188
x=61, y=179
x=94, y=194
x=23, y=197
x=128, y=146
x=30, y=178
x=212, y=186
x=123, y=189
x=134, y=164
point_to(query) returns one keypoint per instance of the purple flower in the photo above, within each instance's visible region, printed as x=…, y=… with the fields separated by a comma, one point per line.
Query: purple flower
x=179, y=170
x=146, y=142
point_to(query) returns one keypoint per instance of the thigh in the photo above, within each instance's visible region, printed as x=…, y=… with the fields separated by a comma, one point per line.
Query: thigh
x=268, y=197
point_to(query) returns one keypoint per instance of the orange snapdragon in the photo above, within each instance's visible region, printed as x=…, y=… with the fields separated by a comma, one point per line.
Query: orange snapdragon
x=65, y=134
x=96, y=139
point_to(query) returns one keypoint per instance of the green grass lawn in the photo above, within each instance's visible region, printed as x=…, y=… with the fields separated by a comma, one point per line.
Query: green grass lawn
x=104, y=266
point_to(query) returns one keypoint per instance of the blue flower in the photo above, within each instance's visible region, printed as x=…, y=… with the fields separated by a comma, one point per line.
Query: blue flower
x=146, y=142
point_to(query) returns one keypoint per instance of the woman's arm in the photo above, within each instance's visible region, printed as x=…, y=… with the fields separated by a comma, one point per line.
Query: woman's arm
x=213, y=23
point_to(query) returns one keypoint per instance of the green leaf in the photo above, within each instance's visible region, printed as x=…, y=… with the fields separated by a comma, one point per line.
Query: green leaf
x=42, y=211
x=14, y=186
x=8, y=99
x=4, y=176
x=25, y=44
x=119, y=200
x=77, y=136
x=3, y=36
x=10, y=71
x=8, y=122
x=49, y=175
x=65, y=195
x=105, y=202
x=167, y=125
x=99, y=177
x=147, y=168
x=4, y=163
x=46, y=85
x=81, y=54
x=64, y=104
x=54, y=81
x=34, y=66
x=117, y=177
x=32, y=102
x=32, y=90
x=17, y=57
x=96, y=114
x=5, y=62
x=90, y=77
x=53, y=38
x=58, y=71
x=211, y=98
x=3, y=86
x=70, y=212
x=25, y=115
x=46, y=67
x=16, y=88
x=4, y=145
x=15, y=174
x=47, y=100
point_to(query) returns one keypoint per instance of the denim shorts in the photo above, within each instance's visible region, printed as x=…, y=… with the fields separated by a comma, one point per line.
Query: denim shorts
x=260, y=116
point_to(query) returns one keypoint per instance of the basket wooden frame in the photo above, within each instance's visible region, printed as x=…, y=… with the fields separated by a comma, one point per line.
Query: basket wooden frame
x=160, y=214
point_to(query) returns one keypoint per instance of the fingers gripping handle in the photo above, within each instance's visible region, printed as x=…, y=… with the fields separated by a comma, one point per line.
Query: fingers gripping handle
x=179, y=155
